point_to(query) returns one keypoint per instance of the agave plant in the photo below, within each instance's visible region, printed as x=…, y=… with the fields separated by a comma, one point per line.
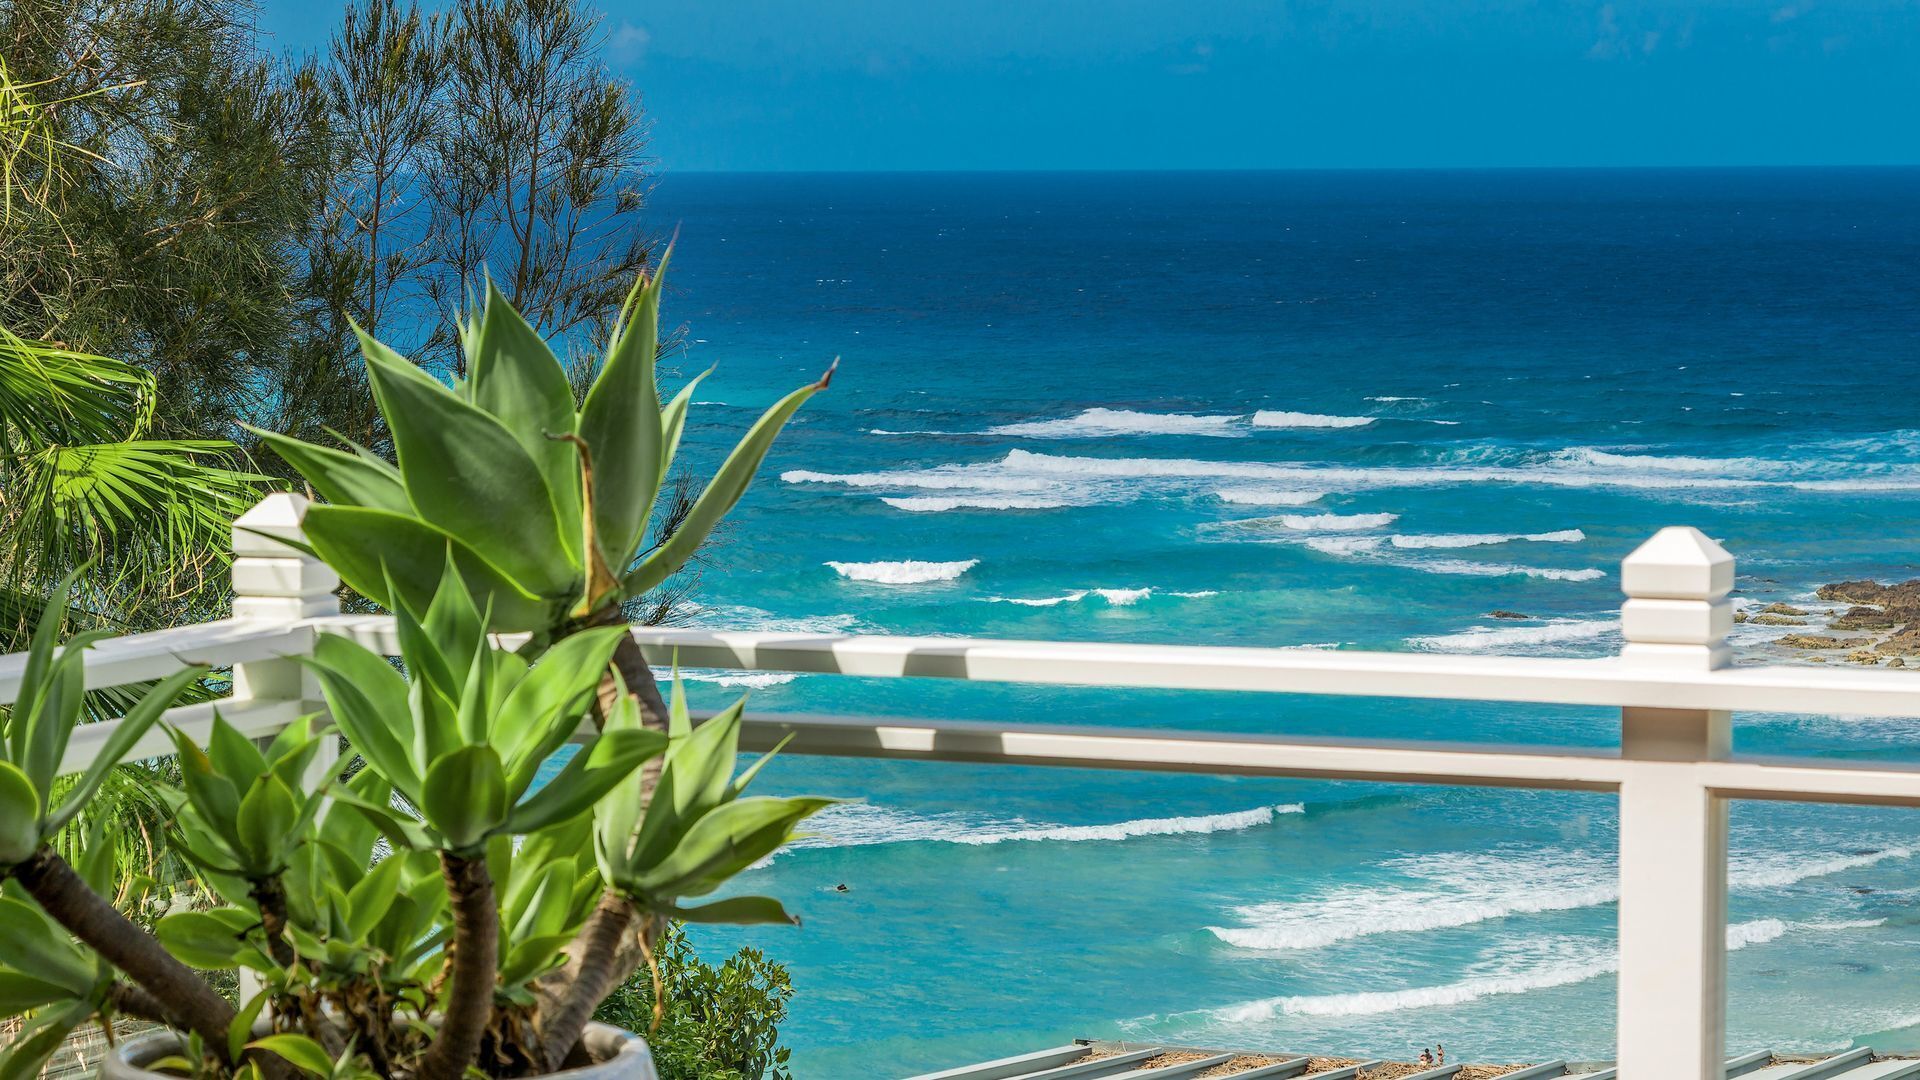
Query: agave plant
x=543, y=507
x=424, y=961
x=543, y=510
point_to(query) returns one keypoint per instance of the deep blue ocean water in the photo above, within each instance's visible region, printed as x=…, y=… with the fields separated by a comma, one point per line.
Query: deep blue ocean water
x=1326, y=410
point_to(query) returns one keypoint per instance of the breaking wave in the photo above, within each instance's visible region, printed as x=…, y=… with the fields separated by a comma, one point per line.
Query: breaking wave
x=862, y=824
x=1113, y=597
x=905, y=572
x=934, y=504
x=1519, y=638
x=1481, y=888
x=1118, y=479
x=1107, y=423
x=1268, y=497
x=1567, y=961
x=1467, y=540
x=752, y=680
x=1334, y=522
x=1380, y=548
x=1270, y=419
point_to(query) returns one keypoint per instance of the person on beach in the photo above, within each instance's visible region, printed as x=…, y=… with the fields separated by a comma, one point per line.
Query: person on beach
x=1426, y=1057
x=1439, y=1054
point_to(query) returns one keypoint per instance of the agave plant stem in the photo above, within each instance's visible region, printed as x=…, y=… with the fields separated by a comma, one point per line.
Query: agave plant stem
x=473, y=960
x=178, y=992
x=129, y=1000
x=591, y=973
x=603, y=953
x=271, y=894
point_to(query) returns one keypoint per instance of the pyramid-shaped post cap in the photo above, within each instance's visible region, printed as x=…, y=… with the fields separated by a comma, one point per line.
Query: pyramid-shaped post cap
x=277, y=515
x=1679, y=563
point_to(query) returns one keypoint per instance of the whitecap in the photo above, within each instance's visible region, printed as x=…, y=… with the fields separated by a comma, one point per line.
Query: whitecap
x=1475, y=569
x=1519, y=638
x=1114, y=597
x=934, y=504
x=1106, y=423
x=1267, y=418
x=1470, y=888
x=1562, y=961
x=862, y=824
x=1268, y=497
x=752, y=680
x=904, y=572
x=1466, y=540
x=1328, y=522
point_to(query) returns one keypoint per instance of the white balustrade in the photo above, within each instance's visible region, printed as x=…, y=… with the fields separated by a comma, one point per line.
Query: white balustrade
x=1674, y=682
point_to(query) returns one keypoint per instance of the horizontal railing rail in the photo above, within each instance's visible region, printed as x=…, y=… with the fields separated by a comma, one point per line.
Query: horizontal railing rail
x=1673, y=771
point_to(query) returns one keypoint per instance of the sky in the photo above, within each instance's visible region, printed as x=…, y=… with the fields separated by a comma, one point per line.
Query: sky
x=1238, y=84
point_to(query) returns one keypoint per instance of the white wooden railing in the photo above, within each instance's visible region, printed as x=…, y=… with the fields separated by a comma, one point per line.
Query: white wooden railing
x=1673, y=682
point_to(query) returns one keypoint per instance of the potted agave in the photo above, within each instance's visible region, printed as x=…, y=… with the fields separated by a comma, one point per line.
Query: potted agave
x=442, y=912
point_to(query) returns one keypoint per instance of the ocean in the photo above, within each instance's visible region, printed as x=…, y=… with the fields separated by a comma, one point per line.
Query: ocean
x=1305, y=410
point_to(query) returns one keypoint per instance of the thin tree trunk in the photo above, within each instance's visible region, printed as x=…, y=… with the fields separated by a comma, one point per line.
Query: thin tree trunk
x=271, y=895
x=591, y=973
x=176, y=990
x=473, y=965
x=603, y=954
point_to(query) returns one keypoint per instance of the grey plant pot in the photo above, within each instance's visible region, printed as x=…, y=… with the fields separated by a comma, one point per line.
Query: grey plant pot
x=621, y=1055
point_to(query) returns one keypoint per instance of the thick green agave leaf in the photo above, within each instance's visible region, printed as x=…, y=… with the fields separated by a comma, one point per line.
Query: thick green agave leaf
x=623, y=427
x=362, y=545
x=464, y=796
x=341, y=478
x=19, y=815
x=468, y=475
x=517, y=379
x=737, y=911
x=722, y=492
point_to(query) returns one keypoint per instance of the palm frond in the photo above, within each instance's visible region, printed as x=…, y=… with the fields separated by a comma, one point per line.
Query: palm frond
x=153, y=516
x=55, y=396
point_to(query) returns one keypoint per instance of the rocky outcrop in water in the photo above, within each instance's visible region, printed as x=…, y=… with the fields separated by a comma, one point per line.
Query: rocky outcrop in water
x=1822, y=641
x=1890, y=614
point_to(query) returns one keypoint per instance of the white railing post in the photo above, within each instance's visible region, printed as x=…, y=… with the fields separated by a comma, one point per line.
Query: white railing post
x=274, y=582
x=1673, y=829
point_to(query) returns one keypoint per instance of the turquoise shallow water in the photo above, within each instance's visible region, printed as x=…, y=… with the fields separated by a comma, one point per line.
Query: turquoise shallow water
x=1304, y=410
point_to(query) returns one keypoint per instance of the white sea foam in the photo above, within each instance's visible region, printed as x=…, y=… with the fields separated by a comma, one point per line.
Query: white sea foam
x=1558, y=962
x=1467, y=540
x=934, y=504
x=1041, y=601
x=755, y=620
x=1329, y=522
x=1114, y=597
x=752, y=680
x=1273, y=419
x=1393, y=399
x=1476, y=569
x=1345, y=545
x=904, y=572
x=1268, y=497
x=1519, y=638
x=1469, y=888
x=1104, y=479
x=1108, y=423
x=1378, y=547
x=860, y=824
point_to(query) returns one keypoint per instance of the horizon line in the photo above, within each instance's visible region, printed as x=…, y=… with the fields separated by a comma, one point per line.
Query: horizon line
x=660, y=170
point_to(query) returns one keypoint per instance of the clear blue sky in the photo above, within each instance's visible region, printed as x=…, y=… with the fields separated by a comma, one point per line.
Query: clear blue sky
x=1130, y=84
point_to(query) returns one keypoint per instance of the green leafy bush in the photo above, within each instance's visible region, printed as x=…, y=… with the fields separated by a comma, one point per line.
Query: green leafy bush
x=719, y=1023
